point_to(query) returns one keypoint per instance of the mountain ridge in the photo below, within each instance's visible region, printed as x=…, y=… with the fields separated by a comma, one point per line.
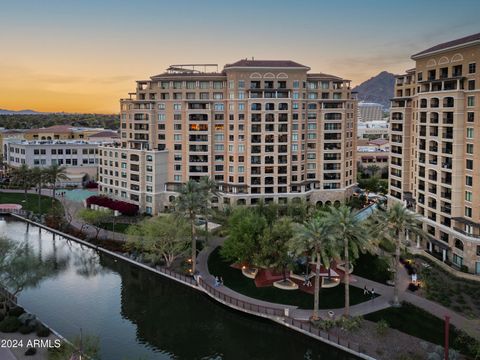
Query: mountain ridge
x=378, y=89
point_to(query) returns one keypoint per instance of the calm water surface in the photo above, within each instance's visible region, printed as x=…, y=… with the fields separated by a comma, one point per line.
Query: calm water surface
x=140, y=315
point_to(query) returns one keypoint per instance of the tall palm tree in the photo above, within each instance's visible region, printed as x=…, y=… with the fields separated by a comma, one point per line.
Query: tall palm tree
x=392, y=225
x=351, y=236
x=209, y=190
x=21, y=176
x=54, y=174
x=315, y=237
x=191, y=202
x=39, y=177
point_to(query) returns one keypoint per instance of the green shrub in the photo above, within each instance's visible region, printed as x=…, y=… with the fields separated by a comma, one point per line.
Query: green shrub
x=351, y=323
x=26, y=329
x=10, y=324
x=2, y=316
x=30, y=352
x=43, y=331
x=16, y=311
x=381, y=327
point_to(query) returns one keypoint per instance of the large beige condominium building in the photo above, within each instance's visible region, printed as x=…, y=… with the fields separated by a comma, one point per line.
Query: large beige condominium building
x=435, y=143
x=262, y=129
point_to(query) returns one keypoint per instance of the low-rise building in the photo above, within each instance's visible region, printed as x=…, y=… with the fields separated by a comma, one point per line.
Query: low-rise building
x=372, y=129
x=371, y=152
x=79, y=156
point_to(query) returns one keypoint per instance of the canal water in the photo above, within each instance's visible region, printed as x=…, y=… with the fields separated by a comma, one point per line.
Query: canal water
x=139, y=315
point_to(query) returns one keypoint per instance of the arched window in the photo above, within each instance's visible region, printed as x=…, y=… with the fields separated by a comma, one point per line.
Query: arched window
x=458, y=244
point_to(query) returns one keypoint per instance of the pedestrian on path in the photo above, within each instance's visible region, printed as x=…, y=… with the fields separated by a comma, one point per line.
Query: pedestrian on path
x=221, y=280
x=373, y=293
x=217, y=281
x=365, y=290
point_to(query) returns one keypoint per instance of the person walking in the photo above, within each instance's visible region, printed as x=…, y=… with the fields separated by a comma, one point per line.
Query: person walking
x=365, y=290
x=373, y=293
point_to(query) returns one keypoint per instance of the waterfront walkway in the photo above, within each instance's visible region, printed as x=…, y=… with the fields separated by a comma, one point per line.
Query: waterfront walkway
x=71, y=209
x=472, y=327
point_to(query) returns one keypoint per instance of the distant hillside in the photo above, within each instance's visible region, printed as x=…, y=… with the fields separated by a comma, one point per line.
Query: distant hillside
x=37, y=120
x=19, y=112
x=378, y=89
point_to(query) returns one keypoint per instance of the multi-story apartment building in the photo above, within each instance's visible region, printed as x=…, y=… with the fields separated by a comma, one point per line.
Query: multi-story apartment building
x=266, y=130
x=80, y=157
x=435, y=163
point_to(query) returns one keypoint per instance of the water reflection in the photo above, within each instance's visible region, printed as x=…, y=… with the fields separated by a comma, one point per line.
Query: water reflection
x=138, y=314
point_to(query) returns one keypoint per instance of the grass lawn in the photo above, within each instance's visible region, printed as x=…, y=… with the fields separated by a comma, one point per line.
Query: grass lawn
x=233, y=278
x=411, y=320
x=372, y=267
x=32, y=201
x=419, y=323
x=119, y=227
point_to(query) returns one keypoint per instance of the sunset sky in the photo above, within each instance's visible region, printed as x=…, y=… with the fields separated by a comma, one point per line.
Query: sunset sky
x=82, y=56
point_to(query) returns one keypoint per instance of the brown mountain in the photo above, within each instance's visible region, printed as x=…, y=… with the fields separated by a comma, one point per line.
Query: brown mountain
x=378, y=89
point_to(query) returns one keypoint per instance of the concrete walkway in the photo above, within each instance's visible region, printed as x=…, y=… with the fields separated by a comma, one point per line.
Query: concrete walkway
x=71, y=209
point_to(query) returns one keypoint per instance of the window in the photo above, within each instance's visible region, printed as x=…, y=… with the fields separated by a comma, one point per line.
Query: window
x=470, y=117
x=469, y=181
x=472, y=68
x=296, y=84
x=469, y=133
x=161, y=117
x=471, y=101
x=469, y=148
x=295, y=95
x=177, y=137
x=218, y=107
x=419, y=76
x=469, y=164
x=468, y=211
x=471, y=84
x=468, y=196
x=177, y=107
x=241, y=84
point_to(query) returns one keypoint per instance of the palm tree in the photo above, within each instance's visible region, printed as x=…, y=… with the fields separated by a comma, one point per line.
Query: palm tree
x=209, y=190
x=315, y=237
x=351, y=236
x=191, y=202
x=38, y=178
x=54, y=174
x=21, y=176
x=392, y=225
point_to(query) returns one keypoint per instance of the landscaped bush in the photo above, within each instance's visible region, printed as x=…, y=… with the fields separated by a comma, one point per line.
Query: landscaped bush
x=412, y=287
x=26, y=329
x=91, y=185
x=30, y=352
x=10, y=324
x=43, y=331
x=16, y=311
x=2, y=316
x=121, y=206
x=381, y=327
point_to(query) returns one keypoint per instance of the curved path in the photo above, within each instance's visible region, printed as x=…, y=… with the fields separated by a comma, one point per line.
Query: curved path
x=71, y=209
x=472, y=327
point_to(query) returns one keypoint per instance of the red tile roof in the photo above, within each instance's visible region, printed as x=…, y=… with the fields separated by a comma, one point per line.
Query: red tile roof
x=106, y=133
x=55, y=128
x=378, y=141
x=449, y=44
x=265, y=63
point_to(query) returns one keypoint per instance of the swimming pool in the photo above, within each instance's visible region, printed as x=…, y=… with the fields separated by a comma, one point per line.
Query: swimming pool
x=77, y=195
